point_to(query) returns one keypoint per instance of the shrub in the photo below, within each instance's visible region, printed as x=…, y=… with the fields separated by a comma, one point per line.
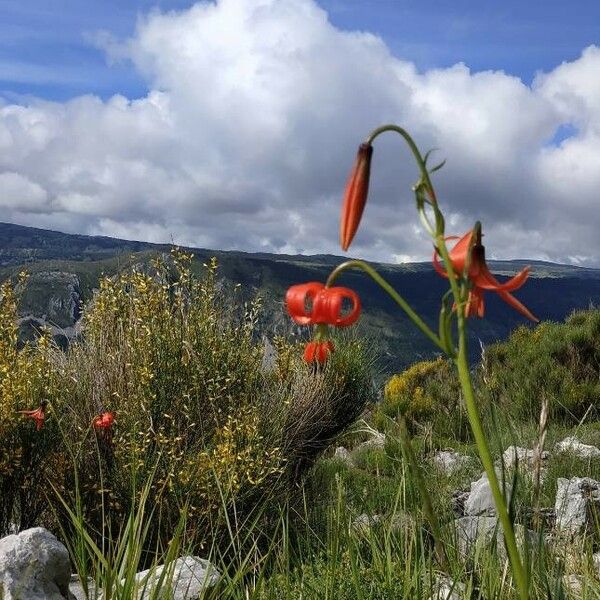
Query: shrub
x=179, y=360
x=426, y=394
x=28, y=458
x=559, y=361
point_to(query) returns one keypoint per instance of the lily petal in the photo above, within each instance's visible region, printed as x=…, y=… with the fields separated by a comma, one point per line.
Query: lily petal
x=510, y=299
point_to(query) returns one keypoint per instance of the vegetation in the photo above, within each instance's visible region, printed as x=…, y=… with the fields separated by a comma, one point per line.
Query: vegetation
x=197, y=412
x=217, y=452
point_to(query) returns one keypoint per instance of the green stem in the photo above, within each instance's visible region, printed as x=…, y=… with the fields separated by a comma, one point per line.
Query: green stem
x=373, y=274
x=464, y=375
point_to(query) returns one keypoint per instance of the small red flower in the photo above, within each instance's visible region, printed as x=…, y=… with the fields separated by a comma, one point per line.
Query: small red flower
x=318, y=351
x=38, y=414
x=104, y=421
x=355, y=196
x=469, y=249
x=314, y=304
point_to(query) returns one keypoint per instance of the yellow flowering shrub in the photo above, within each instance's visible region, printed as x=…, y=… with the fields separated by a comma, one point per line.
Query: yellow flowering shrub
x=426, y=393
x=27, y=379
x=173, y=352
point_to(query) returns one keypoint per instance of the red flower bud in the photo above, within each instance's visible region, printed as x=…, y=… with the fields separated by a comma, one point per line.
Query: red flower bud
x=104, y=421
x=355, y=197
x=318, y=351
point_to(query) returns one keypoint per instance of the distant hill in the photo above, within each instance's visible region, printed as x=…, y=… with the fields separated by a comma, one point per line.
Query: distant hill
x=66, y=268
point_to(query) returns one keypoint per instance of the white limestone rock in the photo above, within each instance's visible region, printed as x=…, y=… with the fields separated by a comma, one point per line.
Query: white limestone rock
x=190, y=577
x=577, y=448
x=449, y=461
x=480, y=501
x=577, y=504
x=474, y=532
x=34, y=565
x=445, y=588
x=525, y=458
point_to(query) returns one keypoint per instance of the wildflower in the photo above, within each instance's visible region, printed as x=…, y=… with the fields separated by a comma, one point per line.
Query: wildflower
x=468, y=255
x=318, y=351
x=314, y=304
x=103, y=421
x=37, y=414
x=355, y=196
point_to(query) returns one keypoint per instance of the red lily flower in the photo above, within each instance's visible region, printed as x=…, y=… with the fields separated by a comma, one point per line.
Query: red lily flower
x=355, y=197
x=37, y=414
x=318, y=351
x=104, y=421
x=469, y=251
x=326, y=306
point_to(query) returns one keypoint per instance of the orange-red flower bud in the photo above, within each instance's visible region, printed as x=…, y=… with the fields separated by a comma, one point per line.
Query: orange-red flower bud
x=355, y=197
x=318, y=351
x=104, y=421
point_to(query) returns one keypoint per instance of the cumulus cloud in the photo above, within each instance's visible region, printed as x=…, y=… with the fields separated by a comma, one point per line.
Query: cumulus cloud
x=254, y=111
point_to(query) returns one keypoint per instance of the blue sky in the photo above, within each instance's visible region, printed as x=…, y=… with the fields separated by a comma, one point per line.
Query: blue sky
x=47, y=49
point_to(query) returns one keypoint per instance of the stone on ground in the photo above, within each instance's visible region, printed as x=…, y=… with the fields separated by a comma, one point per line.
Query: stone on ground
x=474, y=532
x=449, y=461
x=523, y=457
x=190, y=576
x=34, y=565
x=577, y=448
x=445, y=588
x=480, y=501
x=577, y=504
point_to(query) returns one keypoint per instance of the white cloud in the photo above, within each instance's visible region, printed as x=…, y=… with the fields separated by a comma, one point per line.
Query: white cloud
x=19, y=192
x=255, y=110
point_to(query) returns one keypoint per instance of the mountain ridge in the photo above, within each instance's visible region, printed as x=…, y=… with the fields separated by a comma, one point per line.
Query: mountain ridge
x=5, y=228
x=65, y=270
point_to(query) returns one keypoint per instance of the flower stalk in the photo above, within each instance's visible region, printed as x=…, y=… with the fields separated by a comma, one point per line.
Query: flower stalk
x=468, y=276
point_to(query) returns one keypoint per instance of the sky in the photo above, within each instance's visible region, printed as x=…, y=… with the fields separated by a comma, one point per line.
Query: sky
x=233, y=124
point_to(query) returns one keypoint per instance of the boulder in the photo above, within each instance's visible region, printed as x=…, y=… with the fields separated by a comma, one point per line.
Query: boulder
x=573, y=446
x=448, y=461
x=34, y=565
x=577, y=504
x=523, y=457
x=473, y=532
x=190, y=576
x=480, y=500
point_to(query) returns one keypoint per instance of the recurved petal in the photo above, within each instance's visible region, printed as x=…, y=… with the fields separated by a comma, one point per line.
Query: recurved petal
x=437, y=264
x=296, y=299
x=484, y=279
x=510, y=299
